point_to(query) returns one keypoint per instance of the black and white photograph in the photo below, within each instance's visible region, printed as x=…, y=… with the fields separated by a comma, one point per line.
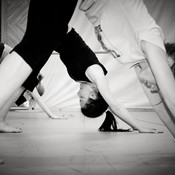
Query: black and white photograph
x=87, y=87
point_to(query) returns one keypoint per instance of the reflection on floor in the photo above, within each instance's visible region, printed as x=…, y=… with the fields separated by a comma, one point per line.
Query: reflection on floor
x=74, y=146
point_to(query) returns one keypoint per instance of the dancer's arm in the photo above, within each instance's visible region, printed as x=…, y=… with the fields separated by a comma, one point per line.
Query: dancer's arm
x=155, y=99
x=43, y=106
x=117, y=108
x=157, y=59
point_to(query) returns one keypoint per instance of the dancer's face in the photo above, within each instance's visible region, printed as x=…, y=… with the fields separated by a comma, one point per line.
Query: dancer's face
x=87, y=90
x=147, y=78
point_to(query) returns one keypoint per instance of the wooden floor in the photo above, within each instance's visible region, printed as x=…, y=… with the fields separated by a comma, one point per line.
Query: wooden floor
x=75, y=147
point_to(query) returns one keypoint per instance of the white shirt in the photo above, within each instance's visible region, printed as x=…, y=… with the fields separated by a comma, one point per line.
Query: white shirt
x=125, y=23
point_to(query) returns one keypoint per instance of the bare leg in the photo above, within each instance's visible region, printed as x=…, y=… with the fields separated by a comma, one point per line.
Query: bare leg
x=4, y=127
x=160, y=107
x=13, y=72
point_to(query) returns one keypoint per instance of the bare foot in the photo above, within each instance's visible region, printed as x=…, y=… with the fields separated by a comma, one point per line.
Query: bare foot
x=5, y=128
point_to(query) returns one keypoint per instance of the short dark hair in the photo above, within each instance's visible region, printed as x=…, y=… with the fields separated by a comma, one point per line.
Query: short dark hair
x=170, y=49
x=95, y=107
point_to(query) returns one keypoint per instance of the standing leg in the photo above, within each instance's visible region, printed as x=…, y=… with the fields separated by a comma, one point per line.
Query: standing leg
x=46, y=27
x=13, y=72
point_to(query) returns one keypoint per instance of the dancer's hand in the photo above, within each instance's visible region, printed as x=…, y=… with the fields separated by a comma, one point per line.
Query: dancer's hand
x=149, y=130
